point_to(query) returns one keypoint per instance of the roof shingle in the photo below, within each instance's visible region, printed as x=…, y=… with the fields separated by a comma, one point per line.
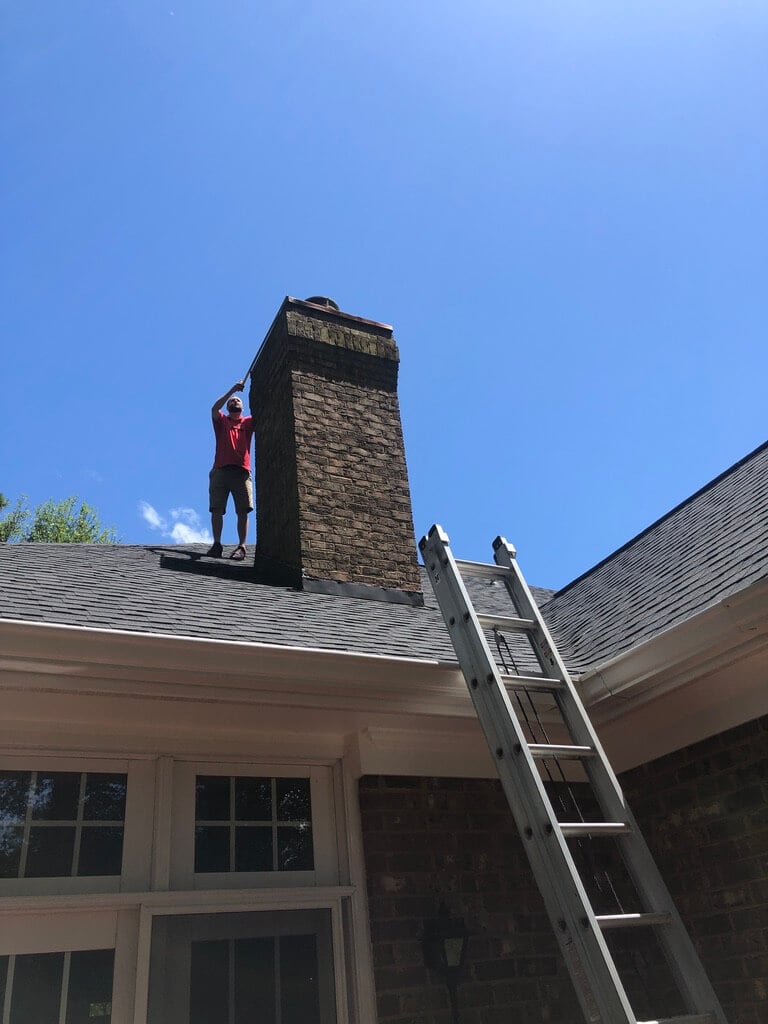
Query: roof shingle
x=707, y=548
x=141, y=589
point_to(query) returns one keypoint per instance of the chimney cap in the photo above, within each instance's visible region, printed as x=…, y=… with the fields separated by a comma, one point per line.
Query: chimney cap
x=323, y=300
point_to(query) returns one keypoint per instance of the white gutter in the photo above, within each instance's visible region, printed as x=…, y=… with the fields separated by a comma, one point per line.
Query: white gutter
x=729, y=631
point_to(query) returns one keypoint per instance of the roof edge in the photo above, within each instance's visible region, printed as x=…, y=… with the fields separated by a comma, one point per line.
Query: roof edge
x=212, y=642
x=681, y=652
x=686, y=501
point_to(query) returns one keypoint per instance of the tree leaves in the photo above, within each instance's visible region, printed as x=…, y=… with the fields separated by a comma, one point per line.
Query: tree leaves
x=69, y=521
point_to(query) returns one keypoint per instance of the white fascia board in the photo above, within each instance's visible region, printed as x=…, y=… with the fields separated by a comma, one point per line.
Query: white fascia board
x=115, y=661
x=725, y=633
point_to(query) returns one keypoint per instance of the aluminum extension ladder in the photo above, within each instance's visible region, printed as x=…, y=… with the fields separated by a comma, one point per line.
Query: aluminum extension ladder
x=579, y=929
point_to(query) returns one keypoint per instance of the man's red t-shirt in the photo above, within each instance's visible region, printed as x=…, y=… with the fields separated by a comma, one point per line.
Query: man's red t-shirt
x=233, y=441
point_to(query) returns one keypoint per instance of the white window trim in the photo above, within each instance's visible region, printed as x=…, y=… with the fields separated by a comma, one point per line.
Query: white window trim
x=137, y=828
x=24, y=932
x=353, y=872
x=68, y=929
x=182, y=851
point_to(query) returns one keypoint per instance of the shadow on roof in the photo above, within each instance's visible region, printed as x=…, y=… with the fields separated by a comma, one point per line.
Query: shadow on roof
x=190, y=561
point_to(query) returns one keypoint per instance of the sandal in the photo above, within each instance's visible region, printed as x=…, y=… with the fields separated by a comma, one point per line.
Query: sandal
x=238, y=555
x=215, y=550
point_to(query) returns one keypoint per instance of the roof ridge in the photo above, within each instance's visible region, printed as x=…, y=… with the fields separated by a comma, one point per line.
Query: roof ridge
x=686, y=501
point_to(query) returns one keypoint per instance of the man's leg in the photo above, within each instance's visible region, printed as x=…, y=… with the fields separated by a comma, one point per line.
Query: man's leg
x=217, y=503
x=242, y=528
x=243, y=497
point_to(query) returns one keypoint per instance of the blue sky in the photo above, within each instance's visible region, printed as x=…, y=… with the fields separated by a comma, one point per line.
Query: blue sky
x=561, y=207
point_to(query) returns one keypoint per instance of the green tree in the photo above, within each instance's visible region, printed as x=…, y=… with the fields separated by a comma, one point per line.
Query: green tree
x=69, y=521
x=13, y=522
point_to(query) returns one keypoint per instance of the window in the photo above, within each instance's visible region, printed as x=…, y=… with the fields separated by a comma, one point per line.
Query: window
x=247, y=823
x=224, y=968
x=240, y=826
x=61, y=824
x=57, y=988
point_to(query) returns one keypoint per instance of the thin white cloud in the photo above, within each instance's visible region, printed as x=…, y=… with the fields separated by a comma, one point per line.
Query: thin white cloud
x=181, y=525
x=149, y=515
x=184, y=513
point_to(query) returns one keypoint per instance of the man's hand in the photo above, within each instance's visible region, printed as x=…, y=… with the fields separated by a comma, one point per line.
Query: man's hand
x=239, y=386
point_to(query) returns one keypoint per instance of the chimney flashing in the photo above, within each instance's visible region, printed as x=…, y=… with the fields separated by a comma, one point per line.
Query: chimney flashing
x=363, y=591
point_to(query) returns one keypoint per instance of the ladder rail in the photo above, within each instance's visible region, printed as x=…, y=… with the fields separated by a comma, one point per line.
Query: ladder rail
x=675, y=941
x=596, y=980
x=579, y=931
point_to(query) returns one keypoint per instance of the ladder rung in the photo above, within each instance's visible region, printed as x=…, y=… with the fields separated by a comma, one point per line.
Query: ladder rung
x=541, y=683
x=633, y=920
x=594, y=828
x=560, y=750
x=482, y=570
x=506, y=622
x=695, y=1018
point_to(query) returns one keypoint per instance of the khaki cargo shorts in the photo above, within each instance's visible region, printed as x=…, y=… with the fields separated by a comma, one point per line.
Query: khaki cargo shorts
x=226, y=480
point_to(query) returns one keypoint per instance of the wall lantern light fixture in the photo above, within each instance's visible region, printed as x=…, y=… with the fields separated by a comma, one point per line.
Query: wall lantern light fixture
x=444, y=941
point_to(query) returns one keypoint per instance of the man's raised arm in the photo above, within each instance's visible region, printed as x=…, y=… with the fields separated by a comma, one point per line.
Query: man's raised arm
x=239, y=386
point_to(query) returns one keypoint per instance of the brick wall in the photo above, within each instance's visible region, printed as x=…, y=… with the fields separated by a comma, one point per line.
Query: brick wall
x=704, y=811
x=333, y=499
x=277, y=522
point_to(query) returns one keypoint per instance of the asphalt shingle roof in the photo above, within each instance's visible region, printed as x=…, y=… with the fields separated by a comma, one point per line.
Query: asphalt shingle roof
x=707, y=548
x=712, y=545
x=170, y=590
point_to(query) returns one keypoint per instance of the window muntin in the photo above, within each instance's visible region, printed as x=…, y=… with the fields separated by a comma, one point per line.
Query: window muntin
x=57, y=824
x=51, y=988
x=252, y=824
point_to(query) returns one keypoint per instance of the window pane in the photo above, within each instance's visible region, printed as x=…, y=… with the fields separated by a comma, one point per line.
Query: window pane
x=253, y=799
x=212, y=798
x=14, y=792
x=255, y=980
x=294, y=849
x=293, y=800
x=37, y=988
x=209, y=983
x=101, y=851
x=300, y=996
x=50, y=852
x=211, y=848
x=104, y=797
x=89, y=1000
x=253, y=848
x=270, y=802
x=56, y=796
x=10, y=850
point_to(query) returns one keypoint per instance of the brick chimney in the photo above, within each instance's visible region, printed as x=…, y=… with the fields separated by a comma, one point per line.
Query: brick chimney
x=332, y=497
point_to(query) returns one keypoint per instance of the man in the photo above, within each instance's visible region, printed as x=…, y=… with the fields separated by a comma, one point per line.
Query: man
x=231, y=473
